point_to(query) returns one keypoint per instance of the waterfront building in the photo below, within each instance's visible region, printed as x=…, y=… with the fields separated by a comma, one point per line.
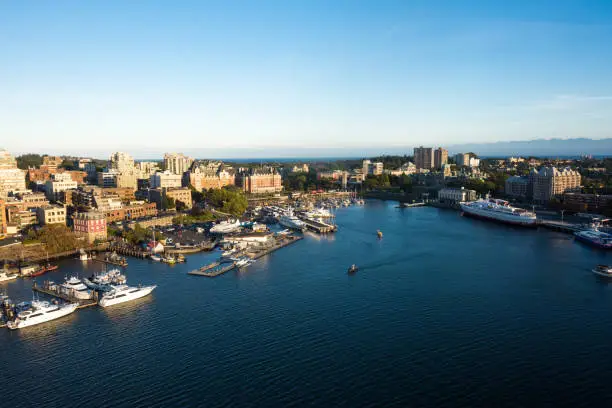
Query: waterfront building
x=440, y=157
x=166, y=179
x=550, y=181
x=595, y=203
x=474, y=162
x=204, y=177
x=260, y=181
x=60, y=183
x=12, y=179
x=517, y=186
x=177, y=163
x=424, y=157
x=51, y=214
x=456, y=195
x=91, y=225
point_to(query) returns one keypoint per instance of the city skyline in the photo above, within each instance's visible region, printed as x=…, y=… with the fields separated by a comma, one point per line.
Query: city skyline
x=252, y=75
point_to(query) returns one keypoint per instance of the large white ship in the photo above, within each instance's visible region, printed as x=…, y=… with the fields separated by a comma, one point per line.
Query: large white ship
x=41, y=312
x=289, y=220
x=123, y=293
x=499, y=210
x=225, y=227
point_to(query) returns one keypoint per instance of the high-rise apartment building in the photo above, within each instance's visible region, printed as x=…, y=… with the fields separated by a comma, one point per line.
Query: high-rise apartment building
x=440, y=157
x=462, y=159
x=549, y=182
x=423, y=157
x=177, y=163
x=165, y=179
x=122, y=162
x=12, y=179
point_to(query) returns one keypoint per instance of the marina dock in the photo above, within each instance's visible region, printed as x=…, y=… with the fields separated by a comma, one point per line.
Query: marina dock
x=212, y=270
x=318, y=226
x=560, y=226
x=44, y=288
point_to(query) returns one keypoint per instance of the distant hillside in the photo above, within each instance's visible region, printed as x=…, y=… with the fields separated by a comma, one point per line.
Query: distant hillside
x=540, y=147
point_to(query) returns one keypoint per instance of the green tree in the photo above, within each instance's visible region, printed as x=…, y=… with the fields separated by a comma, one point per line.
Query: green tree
x=26, y=161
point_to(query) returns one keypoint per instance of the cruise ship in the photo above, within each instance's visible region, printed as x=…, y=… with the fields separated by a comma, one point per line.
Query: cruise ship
x=225, y=227
x=289, y=220
x=40, y=312
x=123, y=293
x=499, y=210
x=595, y=237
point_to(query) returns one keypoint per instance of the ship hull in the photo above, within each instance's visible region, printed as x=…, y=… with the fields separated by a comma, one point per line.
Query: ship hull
x=592, y=243
x=106, y=302
x=47, y=317
x=499, y=218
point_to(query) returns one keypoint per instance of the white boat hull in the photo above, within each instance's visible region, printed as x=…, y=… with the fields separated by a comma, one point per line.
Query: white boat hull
x=107, y=300
x=46, y=317
x=7, y=278
x=498, y=216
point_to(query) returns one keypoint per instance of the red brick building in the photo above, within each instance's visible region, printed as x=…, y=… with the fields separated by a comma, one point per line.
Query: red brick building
x=91, y=225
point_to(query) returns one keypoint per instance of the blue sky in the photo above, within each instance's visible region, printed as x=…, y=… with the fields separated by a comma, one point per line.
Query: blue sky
x=152, y=75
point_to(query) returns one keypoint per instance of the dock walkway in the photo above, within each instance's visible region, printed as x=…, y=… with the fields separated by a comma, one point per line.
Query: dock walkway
x=318, y=226
x=64, y=296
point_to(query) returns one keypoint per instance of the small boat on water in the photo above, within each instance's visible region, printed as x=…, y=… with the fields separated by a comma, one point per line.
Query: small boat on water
x=44, y=269
x=379, y=233
x=353, y=269
x=603, y=270
x=170, y=260
x=155, y=258
x=84, y=256
x=4, y=276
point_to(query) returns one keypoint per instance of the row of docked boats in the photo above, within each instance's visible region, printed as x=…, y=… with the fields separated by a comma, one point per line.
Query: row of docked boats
x=111, y=287
x=168, y=259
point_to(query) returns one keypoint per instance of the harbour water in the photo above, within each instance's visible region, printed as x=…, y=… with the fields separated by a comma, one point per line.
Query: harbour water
x=444, y=311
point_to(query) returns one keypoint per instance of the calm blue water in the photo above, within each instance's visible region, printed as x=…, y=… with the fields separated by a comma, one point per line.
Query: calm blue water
x=445, y=311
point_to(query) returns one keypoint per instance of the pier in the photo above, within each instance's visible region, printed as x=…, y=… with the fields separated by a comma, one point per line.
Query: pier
x=47, y=289
x=212, y=270
x=318, y=226
x=218, y=268
x=111, y=260
x=560, y=226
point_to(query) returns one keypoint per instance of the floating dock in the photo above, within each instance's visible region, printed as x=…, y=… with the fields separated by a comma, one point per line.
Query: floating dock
x=58, y=294
x=318, y=226
x=560, y=226
x=212, y=270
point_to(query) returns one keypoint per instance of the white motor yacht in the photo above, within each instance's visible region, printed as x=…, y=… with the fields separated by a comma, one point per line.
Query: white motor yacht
x=123, y=293
x=41, y=312
x=73, y=286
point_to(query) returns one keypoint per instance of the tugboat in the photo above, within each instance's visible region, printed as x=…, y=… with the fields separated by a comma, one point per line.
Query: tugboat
x=353, y=269
x=603, y=270
x=44, y=269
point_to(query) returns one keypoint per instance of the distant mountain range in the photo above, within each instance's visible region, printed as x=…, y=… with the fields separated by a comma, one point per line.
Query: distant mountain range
x=539, y=147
